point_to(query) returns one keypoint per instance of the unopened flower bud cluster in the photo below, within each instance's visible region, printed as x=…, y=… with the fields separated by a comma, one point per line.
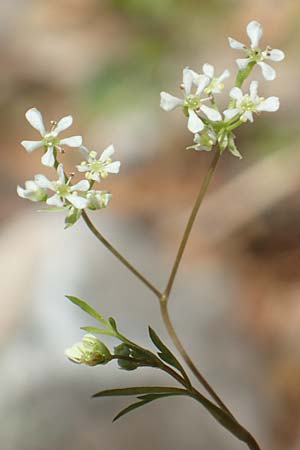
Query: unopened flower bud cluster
x=61, y=193
x=205, y=120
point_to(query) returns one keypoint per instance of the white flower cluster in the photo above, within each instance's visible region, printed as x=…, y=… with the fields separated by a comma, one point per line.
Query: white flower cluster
x=61, y=194
x=209, y=125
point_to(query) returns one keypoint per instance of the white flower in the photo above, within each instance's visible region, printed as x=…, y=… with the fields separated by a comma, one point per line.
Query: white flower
x=216, y=84
x=97, y=199
x=192, y=103
x=96, y=168
x=255, y=54
x=32, y=192
x=204, y=140
x=64, y=193
x=246, y=105
x=50, y=140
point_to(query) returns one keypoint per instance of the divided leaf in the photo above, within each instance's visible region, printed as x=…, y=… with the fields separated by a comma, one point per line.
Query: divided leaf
x=165, y=354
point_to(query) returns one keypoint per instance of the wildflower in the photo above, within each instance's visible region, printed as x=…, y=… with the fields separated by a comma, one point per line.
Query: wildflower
x=204, y=140
x=65, y=194
x=192, y=103
x=90, y=351
x=101, y=167
x=32, y=192
x=255, y=54
x=97, y=199
x=246, y=105
x=50, y=140
x=216, y=84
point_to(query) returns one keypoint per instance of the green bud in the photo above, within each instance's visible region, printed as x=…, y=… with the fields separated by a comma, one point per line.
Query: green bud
x=124, y=350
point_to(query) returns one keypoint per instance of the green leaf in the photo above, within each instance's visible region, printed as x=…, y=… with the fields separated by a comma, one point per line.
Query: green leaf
x=95, y=330
x=165, y=354
x=145, y=399
x=113, y=324
x=137, y=390
x=128, y=409
x=87, y=308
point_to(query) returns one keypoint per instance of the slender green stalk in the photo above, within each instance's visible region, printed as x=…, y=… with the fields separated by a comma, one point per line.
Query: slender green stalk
x=191, y=221
x=118, y=255
x=176, y=341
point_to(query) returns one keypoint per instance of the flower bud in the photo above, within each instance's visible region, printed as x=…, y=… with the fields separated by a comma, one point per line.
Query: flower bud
x=90, y=351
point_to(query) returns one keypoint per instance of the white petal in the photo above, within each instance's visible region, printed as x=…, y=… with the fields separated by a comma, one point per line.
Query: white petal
x=211, y=113
x=202, y=82
x=21, y=192
x=107, y=153
x=236, y=93
x=224, y=76
x=31, y=185
x=73, y=141
x=61, y=175
x=113, y=167
x=55, y=200
x=195, y=124
x=268, y=72
x=253, y=90
x=231, y=113
x=30, y=146
x=243, y=63
x=63, y=124
x=247, y=115
x=48, y=158
x=95, y=177
x=208, y=70
x=271, y=104
x=43, y=182
x=236, y=44
x=82, y=168
x=169, y=102
x=188, y=78
x=274, y=55
x=35, y=119
x=255, y=32
x=77, y=201
x=82, y=185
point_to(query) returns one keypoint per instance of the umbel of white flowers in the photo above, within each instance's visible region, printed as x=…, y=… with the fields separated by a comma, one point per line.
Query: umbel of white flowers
x=50, y=140
x=217, y=126
x=61, y=194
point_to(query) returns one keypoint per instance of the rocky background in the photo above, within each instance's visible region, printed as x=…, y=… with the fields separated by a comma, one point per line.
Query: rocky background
x=236, y=301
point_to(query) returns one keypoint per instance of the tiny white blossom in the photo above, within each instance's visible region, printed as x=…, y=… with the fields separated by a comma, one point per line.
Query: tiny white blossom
x=101, y=167
x=216, y=84
x=97, y=199
x=254, y=53
x=204, y=140
x=246, y=105
x=65, y=194
x=192, y=102
x=50, y=140
x=32, y=192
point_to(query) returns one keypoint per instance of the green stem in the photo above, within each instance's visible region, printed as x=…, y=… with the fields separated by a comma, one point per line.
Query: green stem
x=176, y=341
x=118, y=255
x=191, y=221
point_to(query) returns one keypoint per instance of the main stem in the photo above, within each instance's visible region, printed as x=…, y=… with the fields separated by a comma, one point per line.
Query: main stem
x=176, y=341
x=118, y=255
x=191, y=221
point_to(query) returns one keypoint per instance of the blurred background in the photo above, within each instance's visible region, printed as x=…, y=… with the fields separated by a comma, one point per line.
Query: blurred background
x=236, y=301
